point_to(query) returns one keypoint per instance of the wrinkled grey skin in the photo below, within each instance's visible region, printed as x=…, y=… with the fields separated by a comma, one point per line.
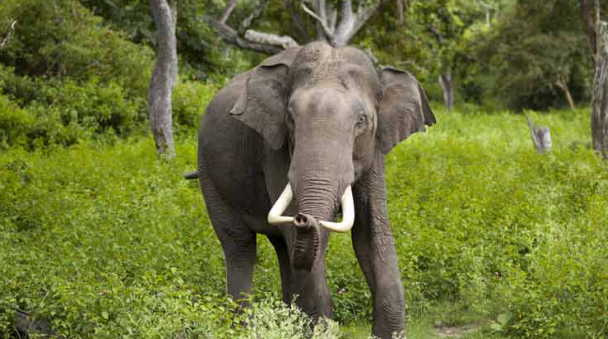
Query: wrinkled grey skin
x=322, y=118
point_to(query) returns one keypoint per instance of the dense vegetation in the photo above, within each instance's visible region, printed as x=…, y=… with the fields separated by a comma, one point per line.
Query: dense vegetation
x=103, y=239
x=107, y=241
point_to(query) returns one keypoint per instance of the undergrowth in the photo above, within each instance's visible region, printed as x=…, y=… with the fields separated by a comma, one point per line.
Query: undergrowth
x=105, y=240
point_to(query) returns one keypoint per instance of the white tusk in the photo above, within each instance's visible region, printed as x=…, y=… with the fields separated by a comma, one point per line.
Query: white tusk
x=348, y=214
x=275, y=215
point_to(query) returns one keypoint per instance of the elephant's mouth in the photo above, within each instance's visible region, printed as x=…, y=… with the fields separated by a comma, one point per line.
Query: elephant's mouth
x=348, y=211
x=307, y=244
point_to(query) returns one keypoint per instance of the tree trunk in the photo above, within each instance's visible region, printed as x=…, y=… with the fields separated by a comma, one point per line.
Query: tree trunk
x=400, y=12
x=163, y=76
x=447, y=85
x=563, y=85
x=599, y=118
x=590, y=12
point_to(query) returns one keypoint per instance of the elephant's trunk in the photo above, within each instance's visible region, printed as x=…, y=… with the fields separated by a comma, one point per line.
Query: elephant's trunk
x=320, y=174
x=307, y=246
x=321, y=167
x=317, y=195
x=308, y=228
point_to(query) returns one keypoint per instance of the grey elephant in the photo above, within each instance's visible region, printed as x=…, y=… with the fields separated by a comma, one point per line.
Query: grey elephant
x=287, y=146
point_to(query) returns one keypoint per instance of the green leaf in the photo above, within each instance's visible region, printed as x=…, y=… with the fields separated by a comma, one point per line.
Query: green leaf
x=496, y=327
x=504, y=318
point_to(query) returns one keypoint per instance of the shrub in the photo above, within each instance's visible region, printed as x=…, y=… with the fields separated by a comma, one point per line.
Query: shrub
x=63, y=39
x=95, y=106
x=190, y=98
x=38, y=112
x=68, y=76
x=107, y=241
x=14, y=123
x=272, y=319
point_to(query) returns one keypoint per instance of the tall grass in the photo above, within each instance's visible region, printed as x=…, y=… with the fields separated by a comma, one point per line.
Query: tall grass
x=108, y=241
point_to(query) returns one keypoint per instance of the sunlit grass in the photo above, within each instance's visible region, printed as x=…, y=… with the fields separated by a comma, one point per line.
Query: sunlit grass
x=108, y=241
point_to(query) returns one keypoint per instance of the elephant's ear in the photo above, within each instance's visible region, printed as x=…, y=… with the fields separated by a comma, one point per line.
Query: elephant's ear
x=262, y=103
x=403, y=110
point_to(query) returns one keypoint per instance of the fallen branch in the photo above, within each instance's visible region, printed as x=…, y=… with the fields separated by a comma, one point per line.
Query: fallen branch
x=270, y=39
x=231, y=36
x=541, y=137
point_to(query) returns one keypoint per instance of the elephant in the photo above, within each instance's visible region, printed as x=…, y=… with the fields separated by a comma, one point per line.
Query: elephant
x=291, y=144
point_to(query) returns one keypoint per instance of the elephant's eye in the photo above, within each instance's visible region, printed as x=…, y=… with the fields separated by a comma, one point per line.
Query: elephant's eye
x=361, y=121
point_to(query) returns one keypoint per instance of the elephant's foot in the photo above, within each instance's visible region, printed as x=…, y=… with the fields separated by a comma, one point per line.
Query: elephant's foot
x=307, y=245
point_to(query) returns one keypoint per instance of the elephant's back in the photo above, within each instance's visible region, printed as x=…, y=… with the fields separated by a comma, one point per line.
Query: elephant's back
x=230, y=154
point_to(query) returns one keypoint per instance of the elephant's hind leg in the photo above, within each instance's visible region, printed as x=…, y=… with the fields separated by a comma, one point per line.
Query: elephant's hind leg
x=238, y=242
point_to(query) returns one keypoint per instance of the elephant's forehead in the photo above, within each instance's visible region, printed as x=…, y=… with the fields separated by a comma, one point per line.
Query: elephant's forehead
x=319, y=63
x=337, y=71
x=317, y=52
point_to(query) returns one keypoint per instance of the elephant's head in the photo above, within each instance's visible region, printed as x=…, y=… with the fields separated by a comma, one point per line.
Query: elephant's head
x=333, y=110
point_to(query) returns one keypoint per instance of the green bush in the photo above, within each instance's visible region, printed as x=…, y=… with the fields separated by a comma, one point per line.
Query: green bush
x=482, y=220
x=272, y=319
x=95, y=106
x=68, y=76
x=190, y=98
x=108, y=241
x=63, y=39
x=38, y=112
x=14, y=123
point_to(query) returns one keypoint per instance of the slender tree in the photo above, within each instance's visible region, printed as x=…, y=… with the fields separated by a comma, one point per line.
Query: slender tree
x=597, y=31
x=163, y=76
x=599, y=120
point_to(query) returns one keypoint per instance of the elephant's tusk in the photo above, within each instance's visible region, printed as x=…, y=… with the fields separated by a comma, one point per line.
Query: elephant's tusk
x=348, y=214
x=275, y=215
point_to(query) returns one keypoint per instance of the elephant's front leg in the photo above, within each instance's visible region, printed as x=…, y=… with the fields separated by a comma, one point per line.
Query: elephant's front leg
x=375, y=250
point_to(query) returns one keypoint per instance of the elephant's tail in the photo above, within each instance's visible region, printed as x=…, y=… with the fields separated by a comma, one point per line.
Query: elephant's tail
x=191, y=175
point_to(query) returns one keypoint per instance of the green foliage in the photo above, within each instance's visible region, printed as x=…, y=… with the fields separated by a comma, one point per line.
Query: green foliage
x=63, y=39
x=434, y=37
x=190, y=99
x=530, y=47
x=105, y=267
x=67, y=77
x=13, y=123
x=38, y=112
x=109, y=241
x=200, y=50
x=272, y=319
x=487, y=222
